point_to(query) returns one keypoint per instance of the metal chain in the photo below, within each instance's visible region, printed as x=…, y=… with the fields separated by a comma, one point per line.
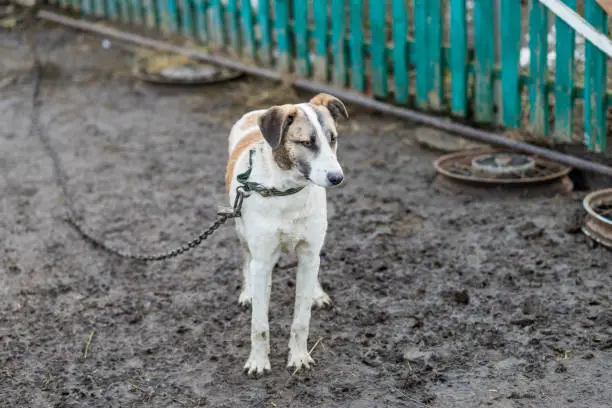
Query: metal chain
x=60, y=177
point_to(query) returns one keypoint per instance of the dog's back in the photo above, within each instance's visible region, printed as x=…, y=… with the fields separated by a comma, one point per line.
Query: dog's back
x=244, y=134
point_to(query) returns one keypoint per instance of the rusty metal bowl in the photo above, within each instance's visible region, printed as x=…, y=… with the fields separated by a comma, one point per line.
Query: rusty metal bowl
x=598, y=222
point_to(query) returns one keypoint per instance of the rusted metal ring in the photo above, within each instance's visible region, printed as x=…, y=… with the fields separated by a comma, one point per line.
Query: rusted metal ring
x=596, y=226
x=222, y=75
x=455, y=157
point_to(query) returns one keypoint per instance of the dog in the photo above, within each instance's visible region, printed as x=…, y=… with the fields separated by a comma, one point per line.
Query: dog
x=289, y=148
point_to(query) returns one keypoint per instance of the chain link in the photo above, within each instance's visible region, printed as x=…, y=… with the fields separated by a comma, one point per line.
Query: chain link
x=60, y=177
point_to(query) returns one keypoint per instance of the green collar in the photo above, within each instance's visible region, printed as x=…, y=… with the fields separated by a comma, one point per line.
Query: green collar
x=259, y=188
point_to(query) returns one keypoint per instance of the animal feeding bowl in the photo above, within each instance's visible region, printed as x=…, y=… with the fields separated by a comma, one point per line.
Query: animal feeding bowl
x=480, y=171
x=598, y=223
x=172, y=69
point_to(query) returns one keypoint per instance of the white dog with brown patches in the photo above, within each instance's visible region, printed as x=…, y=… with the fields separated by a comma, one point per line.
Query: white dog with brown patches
x=290, y=148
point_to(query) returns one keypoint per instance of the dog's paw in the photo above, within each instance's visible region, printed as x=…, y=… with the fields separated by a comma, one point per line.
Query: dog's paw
x=244, y=299
x=299, y=360
x=321, y=300
x=257, y=365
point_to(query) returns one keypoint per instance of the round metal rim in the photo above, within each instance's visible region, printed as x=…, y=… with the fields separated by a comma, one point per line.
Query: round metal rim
x=225, y=75
x=526, y=167
x=586, y=203
x=442, y=159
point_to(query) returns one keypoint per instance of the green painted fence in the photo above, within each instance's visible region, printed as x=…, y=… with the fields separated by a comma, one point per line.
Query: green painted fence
x=461, y=58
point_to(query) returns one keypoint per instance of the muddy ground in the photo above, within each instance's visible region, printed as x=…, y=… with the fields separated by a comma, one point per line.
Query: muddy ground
x=439, y=300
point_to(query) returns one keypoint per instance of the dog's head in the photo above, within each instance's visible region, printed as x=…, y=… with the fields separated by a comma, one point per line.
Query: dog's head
x=304, y=138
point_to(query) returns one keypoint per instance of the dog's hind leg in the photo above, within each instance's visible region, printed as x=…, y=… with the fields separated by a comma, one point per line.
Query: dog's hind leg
x=308, y=267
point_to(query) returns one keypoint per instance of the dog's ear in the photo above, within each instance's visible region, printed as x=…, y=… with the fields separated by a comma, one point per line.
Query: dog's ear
x=333, y=104
x=274, y=123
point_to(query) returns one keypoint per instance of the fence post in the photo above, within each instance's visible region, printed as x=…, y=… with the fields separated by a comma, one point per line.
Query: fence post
x=338, y=52
x=564, y=78
x=380, y=71
x=595, y=83
x=484, y=60
x=458, y=62
x=538, y=46
x=510, y=24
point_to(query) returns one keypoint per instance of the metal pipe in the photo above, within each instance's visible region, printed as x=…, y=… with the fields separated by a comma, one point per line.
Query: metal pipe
x=345, y=95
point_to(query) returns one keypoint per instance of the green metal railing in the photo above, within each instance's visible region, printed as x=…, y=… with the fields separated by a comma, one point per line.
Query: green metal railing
x=413, y=52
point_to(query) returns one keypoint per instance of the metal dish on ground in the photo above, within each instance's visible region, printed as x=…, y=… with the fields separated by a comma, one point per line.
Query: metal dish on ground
x=173, y=69
x=598, y=223
x=480, y=171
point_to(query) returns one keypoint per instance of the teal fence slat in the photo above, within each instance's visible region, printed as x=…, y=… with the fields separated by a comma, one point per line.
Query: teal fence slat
x=338, y=48
x=510, y=23
x=281, y=23
x=400, y=57
x=458, y=62
x=538, y=50
x=358, y=79
x=484, y=60
x=87, y=7
x=595, y=80
x=380, y=71
x=98, y=8
x=265, y=42
x=171, y=16
x=564, y=78
x=421, y=54
x=435, y=93
x=233, y=27
x=186, y=17
x=302, y=50
x=111, y=9
x=136, y=7
x=320, y=36
x=201, y=26
x=218, y=23
x=248, y=33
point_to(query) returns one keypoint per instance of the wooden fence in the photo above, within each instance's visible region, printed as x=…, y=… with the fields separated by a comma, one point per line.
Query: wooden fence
x=508, y=63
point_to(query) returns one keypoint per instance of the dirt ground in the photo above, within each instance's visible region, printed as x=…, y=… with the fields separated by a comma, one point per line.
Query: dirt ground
x=439, y=300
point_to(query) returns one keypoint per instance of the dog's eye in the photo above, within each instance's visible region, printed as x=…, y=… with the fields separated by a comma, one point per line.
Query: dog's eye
x=306, y=143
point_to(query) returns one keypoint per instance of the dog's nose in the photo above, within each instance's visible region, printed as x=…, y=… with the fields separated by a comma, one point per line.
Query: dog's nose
x=335, y=178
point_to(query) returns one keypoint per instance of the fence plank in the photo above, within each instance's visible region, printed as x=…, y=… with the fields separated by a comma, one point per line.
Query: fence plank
x=87, y=7
x=172, y=17
x=302, y=50
x=595, y=80
x=233, y=27
x=320, y=36
x=358, y=79
x=484, y=60
x=248, y=33
x=564, y=78
x=201, y=23
x=186, y=17
x=378, y=9
x=111, y=9
x=281, y=23
x=98, y=7
x=421, y=54
x=538, y=50
x=265, y=45
x=136, y=7
x=338, y=50
x=458, y=62
x=400, y=57
x=218, y=23
x=434, y=51
x=510, y=23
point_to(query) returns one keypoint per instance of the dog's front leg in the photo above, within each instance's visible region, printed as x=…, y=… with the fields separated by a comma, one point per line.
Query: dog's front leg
x=307, y=270
x=260, y=282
